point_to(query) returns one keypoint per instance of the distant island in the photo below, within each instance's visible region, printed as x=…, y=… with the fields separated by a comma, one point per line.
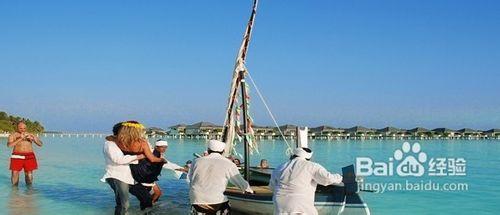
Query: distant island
x=8, y=123
x=207, y=130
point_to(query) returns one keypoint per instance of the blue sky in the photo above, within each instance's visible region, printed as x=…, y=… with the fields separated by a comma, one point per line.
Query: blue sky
x=81, y=66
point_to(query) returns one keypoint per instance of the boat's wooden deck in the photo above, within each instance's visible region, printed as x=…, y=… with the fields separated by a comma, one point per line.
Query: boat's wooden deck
x=259, y=190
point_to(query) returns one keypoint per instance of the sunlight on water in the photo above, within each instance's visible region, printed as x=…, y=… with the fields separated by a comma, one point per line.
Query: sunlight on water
x=67, y=181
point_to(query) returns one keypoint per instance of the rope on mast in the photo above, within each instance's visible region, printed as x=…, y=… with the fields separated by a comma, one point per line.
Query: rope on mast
x=289, y=149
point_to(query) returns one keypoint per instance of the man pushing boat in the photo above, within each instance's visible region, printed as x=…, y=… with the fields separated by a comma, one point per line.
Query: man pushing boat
x=294, y=183
x=208, y=178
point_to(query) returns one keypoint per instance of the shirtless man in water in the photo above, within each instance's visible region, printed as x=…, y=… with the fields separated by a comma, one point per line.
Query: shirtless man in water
x=22, y=154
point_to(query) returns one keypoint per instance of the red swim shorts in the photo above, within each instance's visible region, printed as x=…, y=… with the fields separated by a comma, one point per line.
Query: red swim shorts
x=23, y=160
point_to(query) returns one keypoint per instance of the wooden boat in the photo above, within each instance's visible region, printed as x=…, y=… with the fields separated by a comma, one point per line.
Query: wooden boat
x=333, y=199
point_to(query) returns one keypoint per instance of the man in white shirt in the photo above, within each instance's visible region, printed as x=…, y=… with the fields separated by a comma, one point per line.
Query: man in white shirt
x=117, y=172
x=208, y=178
x=294, y=183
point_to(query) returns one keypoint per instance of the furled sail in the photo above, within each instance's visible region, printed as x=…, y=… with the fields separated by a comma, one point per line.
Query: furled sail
x=232, y=122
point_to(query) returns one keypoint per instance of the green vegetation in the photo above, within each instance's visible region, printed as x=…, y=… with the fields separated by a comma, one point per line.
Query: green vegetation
x=8, y=123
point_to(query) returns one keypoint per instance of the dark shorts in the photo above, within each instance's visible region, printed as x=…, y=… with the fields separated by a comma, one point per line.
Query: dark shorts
x=142, y=194
x=213, y=209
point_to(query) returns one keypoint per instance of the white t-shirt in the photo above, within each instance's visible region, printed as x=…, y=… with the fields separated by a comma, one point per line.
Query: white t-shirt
x=294, y=185
x=209, y=176
x=117, y=164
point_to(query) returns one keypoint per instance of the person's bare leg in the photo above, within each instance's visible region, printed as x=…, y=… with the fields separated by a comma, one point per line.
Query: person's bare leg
x=156, y=193
x=14, y=178
x=28, y=177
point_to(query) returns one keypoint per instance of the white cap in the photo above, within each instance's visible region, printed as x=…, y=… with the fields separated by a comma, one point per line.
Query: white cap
x=299, y=152
x=161, y=143
x=216, y=146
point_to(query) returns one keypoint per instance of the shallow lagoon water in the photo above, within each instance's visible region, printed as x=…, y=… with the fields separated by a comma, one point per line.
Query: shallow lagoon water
x=67, y=181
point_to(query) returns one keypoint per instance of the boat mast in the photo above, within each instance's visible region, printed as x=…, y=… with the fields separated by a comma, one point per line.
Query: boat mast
x=238, y=79
x=245, y=128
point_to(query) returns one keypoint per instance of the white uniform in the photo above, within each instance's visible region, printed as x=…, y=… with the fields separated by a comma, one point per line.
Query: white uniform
x=209, y=176
x=294, y=185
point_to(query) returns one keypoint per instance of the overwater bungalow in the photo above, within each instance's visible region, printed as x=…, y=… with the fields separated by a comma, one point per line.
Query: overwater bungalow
x=445, y=133
x=288, y=131
x=177, y=131
x=264, y=132
x=155, y=131
x=468, y=133
x=493, y=133
x=360, y=132
x=326, y=132
x=204, y=130
x=420, y=133
x=392, y=133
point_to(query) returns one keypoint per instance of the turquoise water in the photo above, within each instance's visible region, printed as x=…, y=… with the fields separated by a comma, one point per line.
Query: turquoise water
x=67, y=181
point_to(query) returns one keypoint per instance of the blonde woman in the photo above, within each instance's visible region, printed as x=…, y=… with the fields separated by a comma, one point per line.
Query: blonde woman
x=125, y=148
x=117, y=171
x=131, y=140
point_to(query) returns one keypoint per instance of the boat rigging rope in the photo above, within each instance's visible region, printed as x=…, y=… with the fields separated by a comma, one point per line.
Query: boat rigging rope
x=289, y=149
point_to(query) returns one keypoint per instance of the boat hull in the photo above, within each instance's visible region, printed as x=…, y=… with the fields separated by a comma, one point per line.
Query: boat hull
x=262, y=203
x=333, y=199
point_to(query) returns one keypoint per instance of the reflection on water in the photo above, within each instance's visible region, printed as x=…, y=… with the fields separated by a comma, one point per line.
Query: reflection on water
x=22, y=201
